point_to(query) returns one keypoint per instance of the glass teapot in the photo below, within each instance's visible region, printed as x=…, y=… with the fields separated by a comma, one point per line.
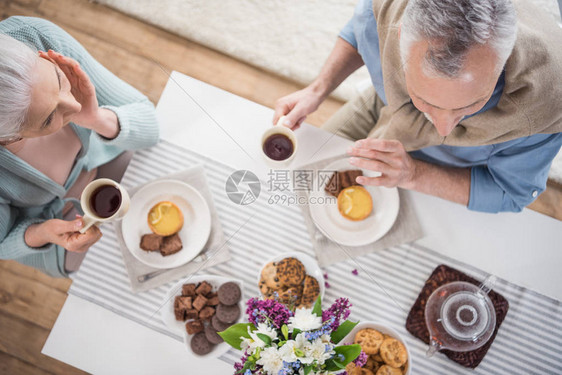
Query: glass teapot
x=460, y=316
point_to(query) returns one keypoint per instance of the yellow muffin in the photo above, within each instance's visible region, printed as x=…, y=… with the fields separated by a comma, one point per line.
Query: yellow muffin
x=355, y=203
x=165, y=218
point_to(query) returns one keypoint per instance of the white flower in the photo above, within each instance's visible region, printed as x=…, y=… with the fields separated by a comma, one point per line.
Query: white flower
x=270, y=360
x=254, y=341
x=287, y=351
x=305, y=320
x=319, y=352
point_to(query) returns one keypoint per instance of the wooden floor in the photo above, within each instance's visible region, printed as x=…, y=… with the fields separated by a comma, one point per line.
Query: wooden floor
x=143, y=56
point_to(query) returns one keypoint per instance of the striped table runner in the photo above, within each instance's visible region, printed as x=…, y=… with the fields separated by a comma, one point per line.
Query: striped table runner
x=387, y=284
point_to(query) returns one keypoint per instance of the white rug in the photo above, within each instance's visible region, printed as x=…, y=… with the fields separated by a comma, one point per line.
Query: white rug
x=291, y=38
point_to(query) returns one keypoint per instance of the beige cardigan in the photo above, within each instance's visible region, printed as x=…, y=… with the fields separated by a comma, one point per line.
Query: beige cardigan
x=531, y=102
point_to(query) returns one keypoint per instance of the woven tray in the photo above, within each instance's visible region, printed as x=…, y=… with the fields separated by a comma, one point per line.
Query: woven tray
x=415, y=323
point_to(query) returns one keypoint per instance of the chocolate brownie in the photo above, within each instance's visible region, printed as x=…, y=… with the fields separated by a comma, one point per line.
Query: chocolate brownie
x=229, y=293
x=171, y=245
x=200, y=345
x=213, y=301
x=179, y=311
x=199, y=302
x=185, y=302
x=218, y=324
x=191, y=314
x=194, y=326
x=228, y=314
x=212, y=335
x=151, y=242
x=341, y=180
x=204, y=288
x=206, y=313
x=188, y=290
x=291, y=272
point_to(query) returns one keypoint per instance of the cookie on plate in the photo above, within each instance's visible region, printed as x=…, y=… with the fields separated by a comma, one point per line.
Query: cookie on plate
x=228, y=314
x=370, y=340
x=310, y=291
x=387, y=370
x=269, y=276
x=393, y=352
x=291, y=272
x=229, y=293
x=200, y=345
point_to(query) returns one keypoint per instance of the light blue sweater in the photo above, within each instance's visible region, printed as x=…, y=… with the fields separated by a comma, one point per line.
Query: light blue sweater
x=27, y=196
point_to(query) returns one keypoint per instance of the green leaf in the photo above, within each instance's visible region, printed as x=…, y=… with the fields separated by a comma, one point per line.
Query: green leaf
x=285, y=331
x=265, y=338
x=342, y=331
x=333, y=365
x=307, y=369
x=317, y=310
x=350, y=352
x=232, y=335
x=295, y=332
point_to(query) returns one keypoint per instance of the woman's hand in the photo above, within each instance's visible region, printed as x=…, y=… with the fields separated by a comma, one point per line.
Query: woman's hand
x=91, y=116
x=62, y=233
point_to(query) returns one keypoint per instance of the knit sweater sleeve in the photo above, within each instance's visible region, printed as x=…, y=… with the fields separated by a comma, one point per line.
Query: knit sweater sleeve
x=137, y=117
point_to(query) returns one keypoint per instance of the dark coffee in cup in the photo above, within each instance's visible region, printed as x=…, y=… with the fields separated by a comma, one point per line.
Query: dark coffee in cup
x=278, y=147
x=105, y=201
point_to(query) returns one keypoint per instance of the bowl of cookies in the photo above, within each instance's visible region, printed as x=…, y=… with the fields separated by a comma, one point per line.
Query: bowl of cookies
x=199, y=307
x=387, y=351
x=294, y=279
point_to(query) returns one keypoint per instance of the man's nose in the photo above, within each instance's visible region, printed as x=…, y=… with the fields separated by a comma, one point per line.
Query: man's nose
x=445, y=123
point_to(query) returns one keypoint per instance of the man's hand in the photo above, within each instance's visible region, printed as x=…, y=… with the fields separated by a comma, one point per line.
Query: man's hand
x=296, y=106
x=388, y=157
x=62, y=233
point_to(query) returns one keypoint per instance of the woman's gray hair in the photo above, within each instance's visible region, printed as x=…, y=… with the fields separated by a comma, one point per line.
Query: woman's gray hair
x=17, y=61
x=453, y=27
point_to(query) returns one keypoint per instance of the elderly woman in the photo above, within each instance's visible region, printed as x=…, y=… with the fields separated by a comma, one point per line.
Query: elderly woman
x=63, y=119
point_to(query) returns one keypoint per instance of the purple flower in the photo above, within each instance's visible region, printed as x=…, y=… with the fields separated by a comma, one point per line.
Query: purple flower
x=267, y=311
x=326, y=275
x=240, y=365
x=361, y=360
x=355, y=272
x=338, y=312
x=327, y=284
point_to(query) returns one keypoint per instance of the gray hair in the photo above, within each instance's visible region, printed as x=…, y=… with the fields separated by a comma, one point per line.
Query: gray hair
x=16, y=64
x=453, y=27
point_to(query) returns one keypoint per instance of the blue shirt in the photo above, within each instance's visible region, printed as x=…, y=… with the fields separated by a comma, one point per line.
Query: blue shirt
x=504, y=177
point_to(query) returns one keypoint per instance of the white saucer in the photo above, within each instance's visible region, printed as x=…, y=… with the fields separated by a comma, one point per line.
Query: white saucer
x=194, y=233
x=333, y=225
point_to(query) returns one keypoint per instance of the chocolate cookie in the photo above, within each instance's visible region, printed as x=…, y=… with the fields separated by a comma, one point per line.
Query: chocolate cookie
x=218, y=325
x=200, y=345
x=229, y=293
x=212, y=335
x=228, y=313
x=310, y=291
x=291, y=272
x=269, y=276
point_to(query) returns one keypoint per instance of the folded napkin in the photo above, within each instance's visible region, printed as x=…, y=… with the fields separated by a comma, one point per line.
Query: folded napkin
x=406, y=228
x=415, y=323
x=214, y=252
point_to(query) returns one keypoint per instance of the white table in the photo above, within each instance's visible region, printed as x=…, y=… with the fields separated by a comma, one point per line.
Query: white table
x=523, y=248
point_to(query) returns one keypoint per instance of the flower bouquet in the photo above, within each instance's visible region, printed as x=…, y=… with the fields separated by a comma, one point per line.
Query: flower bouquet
x=278, y=341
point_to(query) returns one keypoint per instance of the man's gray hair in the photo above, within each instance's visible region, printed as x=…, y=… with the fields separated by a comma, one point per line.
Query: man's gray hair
x=453, y=27
x=17, y=61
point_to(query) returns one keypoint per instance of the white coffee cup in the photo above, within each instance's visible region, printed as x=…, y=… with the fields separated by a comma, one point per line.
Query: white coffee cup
x=90, y=216
x=279, y=129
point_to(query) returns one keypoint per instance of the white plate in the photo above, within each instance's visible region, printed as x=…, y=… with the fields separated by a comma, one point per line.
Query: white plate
x=169, y=318
x=385, y=330
x=196, y=225
x=333, y=225
x=310, y=264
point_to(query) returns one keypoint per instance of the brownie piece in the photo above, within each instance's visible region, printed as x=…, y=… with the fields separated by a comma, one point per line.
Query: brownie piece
x=171, y=245
x=353, y=174
x=185, y=302
x=188, y=290
x=204, y=288
x=341, y=180
x=213, y=301
x=199, y=302
x=151, y=242
x=191, y=314
x=207, y=313
x=194, y=326
x=179, y=310
x=332, y=187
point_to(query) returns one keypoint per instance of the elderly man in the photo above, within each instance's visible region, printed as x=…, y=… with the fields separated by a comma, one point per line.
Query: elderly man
x=466, y=98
